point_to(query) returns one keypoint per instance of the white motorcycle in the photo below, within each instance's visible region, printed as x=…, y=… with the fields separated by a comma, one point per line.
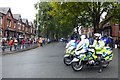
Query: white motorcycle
x=88, y=57
x=69, y=53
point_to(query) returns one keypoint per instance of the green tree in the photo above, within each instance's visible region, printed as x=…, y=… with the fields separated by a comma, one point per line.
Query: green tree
x=87, y=13
x=58, y=19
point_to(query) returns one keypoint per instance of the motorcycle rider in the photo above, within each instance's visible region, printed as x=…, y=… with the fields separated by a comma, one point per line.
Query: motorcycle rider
x=83, y=44
x=73, y=44
x=98, y=44
x=108, y=41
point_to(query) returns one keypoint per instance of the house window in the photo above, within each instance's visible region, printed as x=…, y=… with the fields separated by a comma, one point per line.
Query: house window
x=0, y=21
x=8, y=23
x=14, y=24
x=31, y=30
x=19, y=26
x=9, y=14
x=26, y=29
x=23, y=27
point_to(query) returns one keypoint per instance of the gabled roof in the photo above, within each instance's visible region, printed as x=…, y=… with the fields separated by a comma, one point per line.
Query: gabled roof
x=1, y=14
x=30, y=23
x=4, y=10
x=17, y=16
x=24, y=20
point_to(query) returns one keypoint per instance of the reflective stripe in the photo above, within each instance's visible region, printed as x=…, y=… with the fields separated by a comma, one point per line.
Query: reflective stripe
x=95, y=57
x=66, y=55
x=107, y=58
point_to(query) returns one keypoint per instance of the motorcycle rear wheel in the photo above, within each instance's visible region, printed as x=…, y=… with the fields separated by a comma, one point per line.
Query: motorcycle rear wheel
x=77, y=66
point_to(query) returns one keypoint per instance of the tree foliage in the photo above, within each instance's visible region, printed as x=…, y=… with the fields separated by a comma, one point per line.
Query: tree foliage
x=58, y=19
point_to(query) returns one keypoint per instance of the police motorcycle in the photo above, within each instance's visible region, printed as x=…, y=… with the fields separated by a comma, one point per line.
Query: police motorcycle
x=86, y=56
x=108, y=41
x=69, y=53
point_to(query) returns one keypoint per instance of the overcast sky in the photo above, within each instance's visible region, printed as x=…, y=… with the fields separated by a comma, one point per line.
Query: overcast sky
x=23, y=7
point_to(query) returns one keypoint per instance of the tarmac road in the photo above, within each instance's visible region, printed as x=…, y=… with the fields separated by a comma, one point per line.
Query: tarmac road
x=47, y=62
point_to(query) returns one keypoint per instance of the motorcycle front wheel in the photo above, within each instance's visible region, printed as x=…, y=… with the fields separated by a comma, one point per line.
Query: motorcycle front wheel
x=67, y=61
x=77, y=66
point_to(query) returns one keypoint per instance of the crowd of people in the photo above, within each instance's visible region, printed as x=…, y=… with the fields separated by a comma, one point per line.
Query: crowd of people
x=21, y=43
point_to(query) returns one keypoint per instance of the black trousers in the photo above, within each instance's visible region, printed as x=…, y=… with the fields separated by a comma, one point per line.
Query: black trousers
x=99, y=60
x=41, y=44
x=10, y=48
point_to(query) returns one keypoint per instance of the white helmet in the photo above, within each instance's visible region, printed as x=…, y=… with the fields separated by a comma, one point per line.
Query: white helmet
x=83, y=36
x=97, y=35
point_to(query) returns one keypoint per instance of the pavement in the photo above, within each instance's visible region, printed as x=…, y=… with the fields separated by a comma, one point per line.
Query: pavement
x=47, y=62
x=7, y=52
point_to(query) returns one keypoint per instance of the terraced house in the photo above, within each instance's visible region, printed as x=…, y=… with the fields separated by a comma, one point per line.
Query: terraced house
x=112, y=30
x=1, y=15
x=12, y=25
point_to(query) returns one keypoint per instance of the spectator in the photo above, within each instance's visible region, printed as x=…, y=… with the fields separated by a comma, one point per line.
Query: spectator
x=11, y=43
x=3, y=44
x=23, y=43
x=44, y=41
x=29, y=42
x=15, y=43
x=20, y=43
x=116, y=43
x=40, y=42
x=18, y=40
x=34, y=42
x=48, y=40
x=26, y=43
x=6, y=42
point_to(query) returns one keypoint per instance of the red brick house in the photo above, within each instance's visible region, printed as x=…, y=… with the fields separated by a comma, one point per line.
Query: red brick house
x=26, y=29
x=19, y=28
x=7, y=21
x=32, y=30
x=17, y=25
x=12, y=25
x=111, y=30
x=1, y=24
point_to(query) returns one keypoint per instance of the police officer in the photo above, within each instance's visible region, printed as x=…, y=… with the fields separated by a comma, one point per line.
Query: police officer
x=83, y=45
x=98, y=44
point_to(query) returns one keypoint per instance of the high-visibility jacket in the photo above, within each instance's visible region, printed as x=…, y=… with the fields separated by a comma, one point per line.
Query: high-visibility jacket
x=99, y=46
